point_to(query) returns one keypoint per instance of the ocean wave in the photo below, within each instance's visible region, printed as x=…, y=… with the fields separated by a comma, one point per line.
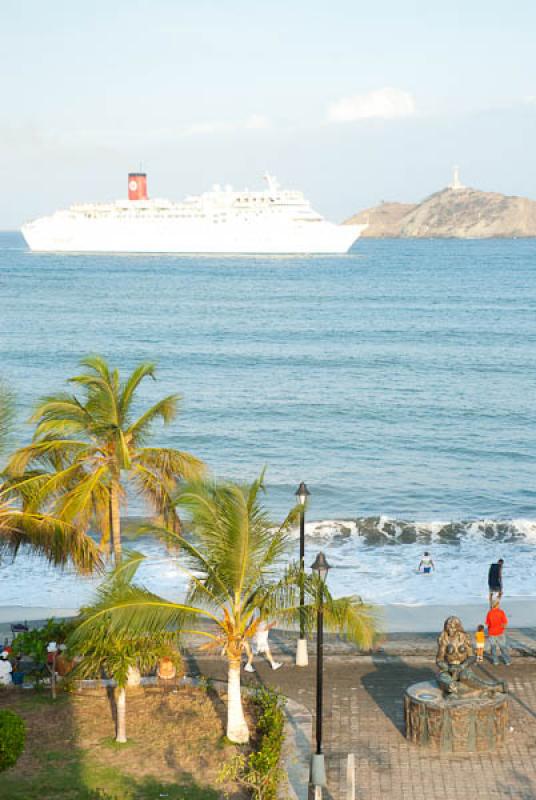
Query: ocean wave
x=383, y=530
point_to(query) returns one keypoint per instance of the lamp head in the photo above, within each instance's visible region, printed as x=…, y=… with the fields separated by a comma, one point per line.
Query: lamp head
x=302, y=493
x=321, y=566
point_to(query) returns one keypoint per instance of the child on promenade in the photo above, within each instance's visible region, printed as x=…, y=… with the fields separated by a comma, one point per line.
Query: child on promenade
x=480, y=643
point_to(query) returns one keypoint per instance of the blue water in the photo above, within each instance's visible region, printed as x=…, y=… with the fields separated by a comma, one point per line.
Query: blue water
x=399, y=380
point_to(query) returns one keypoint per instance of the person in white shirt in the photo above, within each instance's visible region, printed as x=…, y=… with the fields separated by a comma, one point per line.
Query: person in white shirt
x=426, y=563
x=261, y=646
x=5, y=669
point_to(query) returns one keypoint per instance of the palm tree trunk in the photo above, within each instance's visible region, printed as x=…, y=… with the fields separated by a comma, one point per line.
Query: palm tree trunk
x=104, y=543
x=237, y=727
x=121, y=706
x=115, y=520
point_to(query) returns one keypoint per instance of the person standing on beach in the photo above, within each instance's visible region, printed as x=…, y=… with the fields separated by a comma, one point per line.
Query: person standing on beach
x=495, y=582
x=426, y=563
x=497, y=621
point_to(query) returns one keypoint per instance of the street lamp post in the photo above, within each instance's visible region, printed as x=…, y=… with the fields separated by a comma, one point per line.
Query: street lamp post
x=302, y=660
x=318, y=769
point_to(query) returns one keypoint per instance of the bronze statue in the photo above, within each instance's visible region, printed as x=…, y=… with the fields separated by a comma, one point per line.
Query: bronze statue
x=454, y=658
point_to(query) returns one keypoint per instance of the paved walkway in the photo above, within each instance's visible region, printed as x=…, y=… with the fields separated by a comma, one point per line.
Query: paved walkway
x=364, y=716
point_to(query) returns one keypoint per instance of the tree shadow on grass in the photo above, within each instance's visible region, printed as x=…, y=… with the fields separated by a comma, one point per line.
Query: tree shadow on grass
x=110, y=694
x=195, y=671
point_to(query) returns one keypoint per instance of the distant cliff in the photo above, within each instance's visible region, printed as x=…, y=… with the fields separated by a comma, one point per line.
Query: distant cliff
x=452, y=213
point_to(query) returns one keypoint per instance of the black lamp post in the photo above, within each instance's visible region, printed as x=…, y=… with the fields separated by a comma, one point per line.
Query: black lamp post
x=302, y=493
x=318, y=771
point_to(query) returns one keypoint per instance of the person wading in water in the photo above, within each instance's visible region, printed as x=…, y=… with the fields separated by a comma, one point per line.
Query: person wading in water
x=426, y=563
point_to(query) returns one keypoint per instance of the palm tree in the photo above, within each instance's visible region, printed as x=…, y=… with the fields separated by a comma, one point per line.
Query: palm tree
x=86, y=449
x=116, y=653
x=234, y=564
x=58, y=541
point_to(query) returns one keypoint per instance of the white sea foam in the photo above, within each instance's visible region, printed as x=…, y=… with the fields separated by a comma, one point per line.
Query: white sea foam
x=376, y=558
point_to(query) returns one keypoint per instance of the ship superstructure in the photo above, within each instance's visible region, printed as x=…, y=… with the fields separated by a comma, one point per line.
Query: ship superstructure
x=222, y=220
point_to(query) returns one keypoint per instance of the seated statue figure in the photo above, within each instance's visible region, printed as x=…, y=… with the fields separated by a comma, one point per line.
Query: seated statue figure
x=454, y=658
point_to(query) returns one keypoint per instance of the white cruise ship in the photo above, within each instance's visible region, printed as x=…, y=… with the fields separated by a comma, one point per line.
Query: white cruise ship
x=273, y=221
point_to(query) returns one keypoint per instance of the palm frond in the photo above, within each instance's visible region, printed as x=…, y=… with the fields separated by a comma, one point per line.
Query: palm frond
x=98, y=364
x=352, y=619
x=47, y=452
x=60, y=408
x=165, y=410
x=78, y=502
x=102, y=387
x=230, y=524
x=137, y=610
x=197, y=560
x=171, y=464
x=127, y=390
x=256, y=486
x=123, y=450
x=123, y=573
x=269, y=562
x=59, y=542
x=159, y=492
x=36, y=489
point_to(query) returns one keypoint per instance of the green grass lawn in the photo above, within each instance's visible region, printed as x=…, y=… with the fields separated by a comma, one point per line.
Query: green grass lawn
x=67, y=781
x=175, y=750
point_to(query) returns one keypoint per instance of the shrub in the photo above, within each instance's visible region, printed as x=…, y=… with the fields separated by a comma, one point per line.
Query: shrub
x=34, y=643
x=264, y=762
x=12, y=738
x=260, y=772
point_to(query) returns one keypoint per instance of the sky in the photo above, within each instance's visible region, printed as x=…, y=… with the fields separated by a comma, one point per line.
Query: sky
x=351, y=102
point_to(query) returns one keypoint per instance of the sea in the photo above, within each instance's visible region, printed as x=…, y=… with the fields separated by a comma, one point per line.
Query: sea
x=398, y=382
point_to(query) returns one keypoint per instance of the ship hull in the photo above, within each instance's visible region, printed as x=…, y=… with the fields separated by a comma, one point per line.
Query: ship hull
x=59, y=233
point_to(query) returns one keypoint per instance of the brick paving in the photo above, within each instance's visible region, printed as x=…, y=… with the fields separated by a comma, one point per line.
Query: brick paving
x=364, y=716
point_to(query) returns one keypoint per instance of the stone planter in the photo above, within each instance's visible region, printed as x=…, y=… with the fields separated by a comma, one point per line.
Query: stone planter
x=454, y=725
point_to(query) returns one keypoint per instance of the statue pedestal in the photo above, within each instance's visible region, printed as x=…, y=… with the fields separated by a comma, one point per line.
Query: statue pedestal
x=454, y=725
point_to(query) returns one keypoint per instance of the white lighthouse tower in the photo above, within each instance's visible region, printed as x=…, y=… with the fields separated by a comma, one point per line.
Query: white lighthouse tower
x=456, y=184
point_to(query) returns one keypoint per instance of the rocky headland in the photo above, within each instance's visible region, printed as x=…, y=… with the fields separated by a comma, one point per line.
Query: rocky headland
x=462, y=213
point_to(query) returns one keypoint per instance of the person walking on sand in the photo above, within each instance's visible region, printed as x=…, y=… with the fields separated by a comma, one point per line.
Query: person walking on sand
x=426, y=563
x=497, y=622
x=261, y=646
x=495, y=582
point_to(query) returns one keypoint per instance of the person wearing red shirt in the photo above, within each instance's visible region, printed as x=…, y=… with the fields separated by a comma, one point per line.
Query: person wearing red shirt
x=497, y=621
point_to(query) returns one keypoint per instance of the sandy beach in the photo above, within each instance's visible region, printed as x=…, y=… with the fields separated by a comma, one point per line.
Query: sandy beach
x=399, y=618
x=395, y=617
